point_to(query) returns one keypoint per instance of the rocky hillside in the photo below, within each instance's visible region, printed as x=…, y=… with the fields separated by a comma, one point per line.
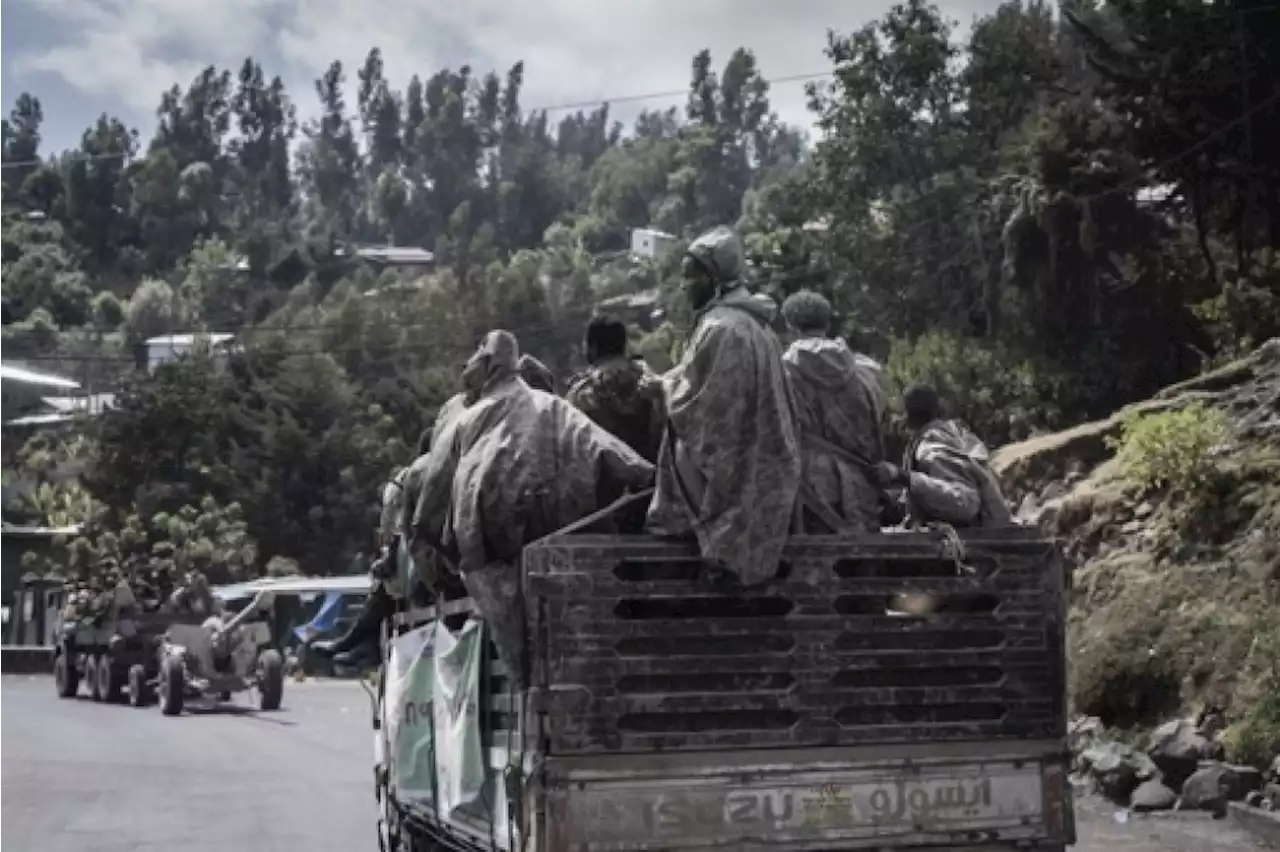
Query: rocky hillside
x=1169, y=512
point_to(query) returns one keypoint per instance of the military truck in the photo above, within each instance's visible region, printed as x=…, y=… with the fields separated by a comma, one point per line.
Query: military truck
x=813, y=713
x=112, y=651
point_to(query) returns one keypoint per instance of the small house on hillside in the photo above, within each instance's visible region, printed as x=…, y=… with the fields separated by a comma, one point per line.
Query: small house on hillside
x=651, y=243
x=399, y=258
x=169, y=347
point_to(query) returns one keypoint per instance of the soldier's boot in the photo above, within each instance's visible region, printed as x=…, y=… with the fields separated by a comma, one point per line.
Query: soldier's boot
x=359, y=648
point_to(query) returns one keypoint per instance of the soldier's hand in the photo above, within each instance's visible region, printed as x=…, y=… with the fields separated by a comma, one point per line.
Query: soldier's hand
x=886, y=474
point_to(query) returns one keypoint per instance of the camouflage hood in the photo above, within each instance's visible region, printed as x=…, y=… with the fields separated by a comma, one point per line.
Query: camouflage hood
x=824, y=362
x=950, y=438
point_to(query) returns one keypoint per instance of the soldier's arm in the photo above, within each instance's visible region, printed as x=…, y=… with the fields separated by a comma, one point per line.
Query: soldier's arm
x=940, y=487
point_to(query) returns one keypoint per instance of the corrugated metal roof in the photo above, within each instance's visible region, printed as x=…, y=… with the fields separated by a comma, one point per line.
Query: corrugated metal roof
x=10, y=372
x=189, y=338
x=352, y=583
x=19, y=529
x=93, y=403
x=406, y=255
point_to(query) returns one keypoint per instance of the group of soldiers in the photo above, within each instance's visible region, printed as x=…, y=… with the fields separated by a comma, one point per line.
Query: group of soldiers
x=114, y=587
x=743, y=443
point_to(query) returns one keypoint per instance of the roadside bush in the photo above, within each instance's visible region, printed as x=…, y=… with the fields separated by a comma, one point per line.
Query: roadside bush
x=1171, y=449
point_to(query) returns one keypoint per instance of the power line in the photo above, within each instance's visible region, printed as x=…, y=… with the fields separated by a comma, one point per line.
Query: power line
x=555, y=107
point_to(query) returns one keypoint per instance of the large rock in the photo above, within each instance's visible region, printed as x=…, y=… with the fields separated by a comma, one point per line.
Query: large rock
x=1117, y=769
x=1152, y=795
x=1177, y=749
x=1209, y=788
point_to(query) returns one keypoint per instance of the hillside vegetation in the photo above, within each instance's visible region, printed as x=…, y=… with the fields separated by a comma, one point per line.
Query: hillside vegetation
x=1052, y=220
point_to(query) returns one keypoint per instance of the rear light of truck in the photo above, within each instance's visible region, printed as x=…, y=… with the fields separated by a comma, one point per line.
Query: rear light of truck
x=1059, y=816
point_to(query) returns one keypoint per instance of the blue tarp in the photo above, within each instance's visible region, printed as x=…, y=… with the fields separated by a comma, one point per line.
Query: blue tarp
x=325, y=620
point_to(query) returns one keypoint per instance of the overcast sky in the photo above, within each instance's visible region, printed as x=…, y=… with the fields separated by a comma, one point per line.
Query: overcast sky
x=86, y=57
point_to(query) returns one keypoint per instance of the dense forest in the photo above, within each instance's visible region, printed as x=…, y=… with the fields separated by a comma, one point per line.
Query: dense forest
x=1070, y=210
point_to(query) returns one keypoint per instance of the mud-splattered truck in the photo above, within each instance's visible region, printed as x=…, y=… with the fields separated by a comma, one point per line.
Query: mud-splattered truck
x=813, y=713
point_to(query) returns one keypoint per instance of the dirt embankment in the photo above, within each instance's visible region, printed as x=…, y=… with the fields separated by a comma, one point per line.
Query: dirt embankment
x=1175, y=600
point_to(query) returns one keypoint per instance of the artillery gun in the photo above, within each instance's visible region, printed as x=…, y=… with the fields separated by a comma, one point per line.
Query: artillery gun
x=215, y=659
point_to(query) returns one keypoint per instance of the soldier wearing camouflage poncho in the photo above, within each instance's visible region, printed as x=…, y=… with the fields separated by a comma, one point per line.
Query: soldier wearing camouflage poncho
x=838, y=410
x=516, y=465
x=945, y=469
x=616, y=392
x=729, y=468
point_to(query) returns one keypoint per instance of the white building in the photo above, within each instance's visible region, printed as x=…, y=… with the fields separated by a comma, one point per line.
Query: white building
x=171, y=346
x=647, y=242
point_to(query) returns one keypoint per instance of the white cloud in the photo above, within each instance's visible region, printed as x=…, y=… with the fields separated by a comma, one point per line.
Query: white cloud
x=574, y=50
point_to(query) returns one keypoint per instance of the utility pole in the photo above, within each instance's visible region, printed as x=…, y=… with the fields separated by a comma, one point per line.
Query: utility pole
x=1246, y=200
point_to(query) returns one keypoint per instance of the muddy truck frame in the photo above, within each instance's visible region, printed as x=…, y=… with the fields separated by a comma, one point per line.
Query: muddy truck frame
x=804, y=715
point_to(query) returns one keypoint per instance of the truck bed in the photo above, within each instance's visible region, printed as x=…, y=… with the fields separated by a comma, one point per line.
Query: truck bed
x=666, y=714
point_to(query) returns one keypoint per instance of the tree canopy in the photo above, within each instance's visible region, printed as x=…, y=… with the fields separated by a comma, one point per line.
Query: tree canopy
x=1059, y=216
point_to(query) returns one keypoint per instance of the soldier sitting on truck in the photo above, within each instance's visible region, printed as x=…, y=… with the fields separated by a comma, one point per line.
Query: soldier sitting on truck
x=945, y=469
x=729, y=467
x=513, y=467
x=616, y=391
x=838, y=414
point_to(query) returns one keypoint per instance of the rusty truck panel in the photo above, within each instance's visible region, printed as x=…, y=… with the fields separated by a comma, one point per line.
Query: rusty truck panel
x=635, y=654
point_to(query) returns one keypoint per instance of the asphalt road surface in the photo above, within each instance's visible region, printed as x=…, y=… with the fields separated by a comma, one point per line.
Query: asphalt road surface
x=83, y=777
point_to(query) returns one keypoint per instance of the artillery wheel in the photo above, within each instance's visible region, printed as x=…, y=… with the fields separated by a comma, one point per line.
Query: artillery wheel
x=109, y=685
x=139, y=690
x=270, y=679
x=65, y=676
x=91, y=676
x=173, y=685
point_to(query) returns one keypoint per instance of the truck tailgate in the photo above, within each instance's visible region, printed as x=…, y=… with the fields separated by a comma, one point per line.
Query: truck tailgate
x=820, y=804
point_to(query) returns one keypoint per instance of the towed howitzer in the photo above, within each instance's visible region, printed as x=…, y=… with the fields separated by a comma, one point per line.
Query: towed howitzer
x=217, y=658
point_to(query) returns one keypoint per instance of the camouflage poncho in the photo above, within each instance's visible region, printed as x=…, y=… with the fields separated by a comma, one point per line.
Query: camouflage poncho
x=950, y=480
x=517, y=465
x=613, y=394
x=838, y=414
x=729, y=468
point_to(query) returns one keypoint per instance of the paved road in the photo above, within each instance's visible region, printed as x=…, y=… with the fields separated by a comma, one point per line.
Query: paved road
x=82, y=777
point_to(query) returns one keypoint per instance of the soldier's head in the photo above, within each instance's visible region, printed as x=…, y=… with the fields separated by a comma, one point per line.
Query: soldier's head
x=808, y=313
x=922, y=405
x=606, y=338
x=496, y=359
x=712, y=265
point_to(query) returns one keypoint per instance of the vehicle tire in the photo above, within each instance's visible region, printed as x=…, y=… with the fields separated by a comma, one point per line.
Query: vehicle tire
x=270, y=679
x=173, y=685
x=91, y=676
x=139, y=690
x=109, y=685
x=65, y=676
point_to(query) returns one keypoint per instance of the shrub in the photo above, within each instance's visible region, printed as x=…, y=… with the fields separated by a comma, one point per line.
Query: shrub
x=1171, y=449
x=1001, y=394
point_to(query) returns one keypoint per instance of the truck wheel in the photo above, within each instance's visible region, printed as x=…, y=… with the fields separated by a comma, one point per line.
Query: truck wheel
x=139, y=690
x=91, y=676
x=109, y=685
x=65, y=676
x=270, y=679
x=173, y=685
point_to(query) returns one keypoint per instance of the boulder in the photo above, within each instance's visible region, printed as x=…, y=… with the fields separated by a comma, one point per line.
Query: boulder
x=1117, y=769
x=1271, y=796
x=1247, y=780
x=1177, y=749
x=1152, y=795
x=1209, y=789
